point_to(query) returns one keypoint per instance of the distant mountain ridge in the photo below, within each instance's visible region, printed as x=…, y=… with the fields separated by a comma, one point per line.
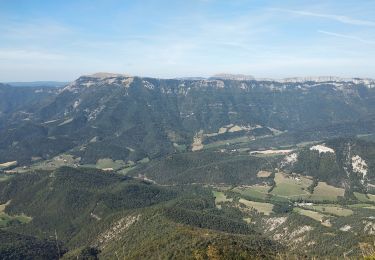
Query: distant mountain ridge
x=153, y=116
x=220, y=76
x=225, y=76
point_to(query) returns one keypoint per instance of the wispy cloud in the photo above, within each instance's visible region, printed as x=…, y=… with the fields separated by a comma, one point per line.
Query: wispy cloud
x=186, y=38
x=346, y=36
x=36, y=29
x=338, y=18
x=11, y=54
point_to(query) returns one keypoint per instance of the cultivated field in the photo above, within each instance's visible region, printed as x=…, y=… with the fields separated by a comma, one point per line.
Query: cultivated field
x=326, y=192
x=262, y=207
x=331, y=209
x=361, y=205
x=264, y=174
x=364, y=197
x=238, y=140
x=323, y=219
x=291, y=187
x=255, y=191
x=107, y=163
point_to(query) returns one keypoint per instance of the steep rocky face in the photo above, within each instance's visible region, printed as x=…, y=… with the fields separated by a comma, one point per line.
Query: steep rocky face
x=150, y=116
x=209, y=104
x=348, y=163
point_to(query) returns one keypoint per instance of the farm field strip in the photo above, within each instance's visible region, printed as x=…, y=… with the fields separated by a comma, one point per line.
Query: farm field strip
x=261, y=207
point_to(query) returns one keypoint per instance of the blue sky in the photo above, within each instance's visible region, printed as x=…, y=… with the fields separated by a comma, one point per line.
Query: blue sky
x=61, y=40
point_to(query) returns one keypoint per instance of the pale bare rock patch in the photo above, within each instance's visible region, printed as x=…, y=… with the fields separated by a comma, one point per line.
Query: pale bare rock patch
x=130, y=149
x=369, y=227
x=290, y=159
x=211, y=134
x=321, y=148
x=197, y=142
x=127, y=82
x=346, y=228
x=219, y=84
x=76, y=103
x=293, y=238
x=103, y=75
x=88, y=84
x=275, y=131
x=222, y=130
x=92, y=115
x=359, y=166
x=235, y=128
x=271, y=152
x=50, y=121
x=66, y=122
x=3, y=206
x=273, y=223
x=95, y=216
x=264, y=174
x=300, y=231
x=148, y=85
x=8, y=164
x=111, y=81
x=116, y=230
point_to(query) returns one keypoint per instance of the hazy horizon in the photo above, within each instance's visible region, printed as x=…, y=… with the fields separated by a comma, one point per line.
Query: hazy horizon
x=177, y=77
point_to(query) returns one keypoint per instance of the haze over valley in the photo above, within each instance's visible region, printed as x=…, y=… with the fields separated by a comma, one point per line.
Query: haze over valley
x=187, y=130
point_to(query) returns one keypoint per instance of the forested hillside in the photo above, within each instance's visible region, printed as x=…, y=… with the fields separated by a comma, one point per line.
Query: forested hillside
x=113, y=166
x=130, y=118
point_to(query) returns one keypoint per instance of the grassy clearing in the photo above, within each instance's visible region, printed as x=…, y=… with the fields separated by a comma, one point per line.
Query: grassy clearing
x=243, y=139
x=127, y=169
x=144, y=160
x=2, y=206
x=118, y=165
x=107, y=163
x=4, y=177
x=264, y=174
x=364, y=197
x=247, y=220
x=291, y=187
x=220, y=198
x=367, y=137
x=5, y=219
x=323, y=219
x=331, y=209
x=180, y=147
x=326, y=192
x=362, y=206
x=222, y=187
x=262, y=207
x=255, y=191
